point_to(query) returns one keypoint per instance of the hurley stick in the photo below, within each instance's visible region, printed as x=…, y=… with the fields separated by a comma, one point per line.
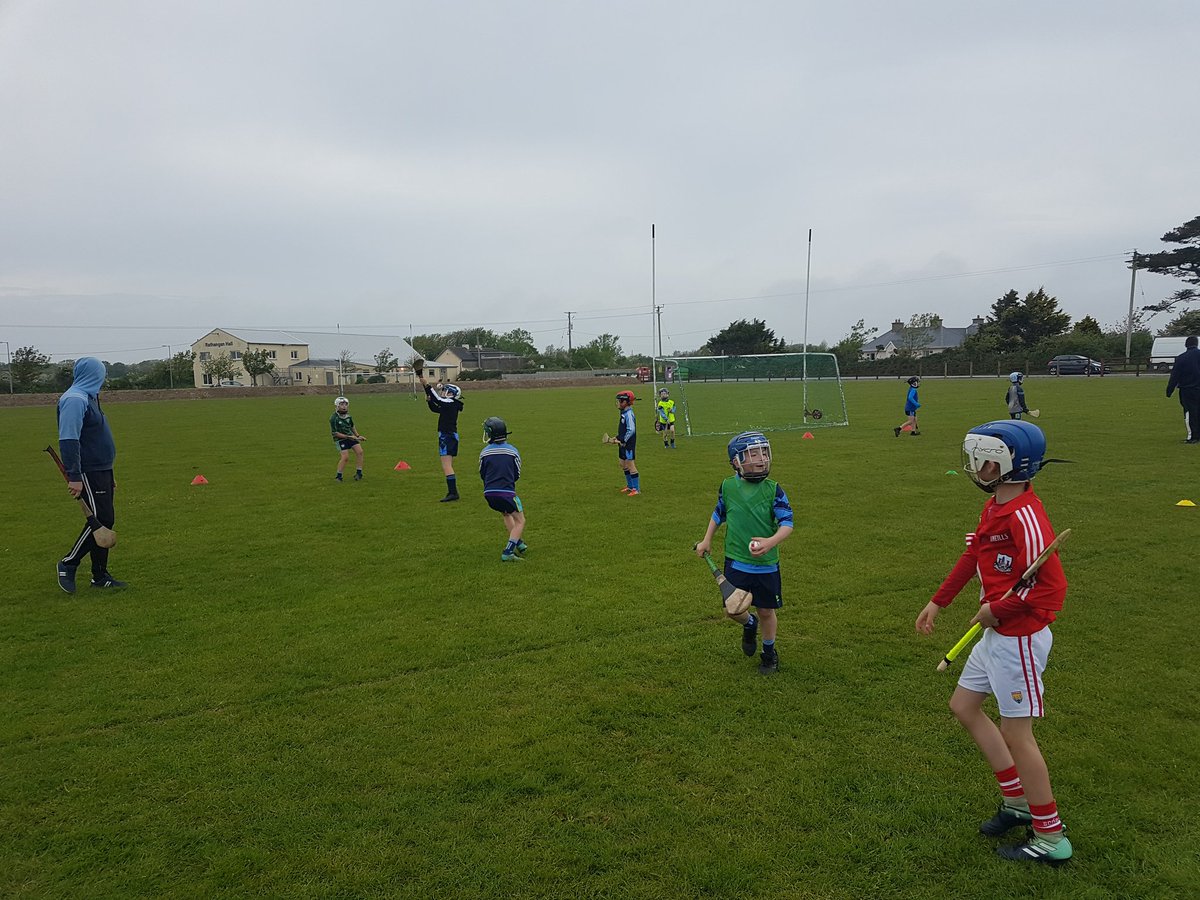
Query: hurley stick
x=737, y=600
x=105, y=537
x=1024, y=579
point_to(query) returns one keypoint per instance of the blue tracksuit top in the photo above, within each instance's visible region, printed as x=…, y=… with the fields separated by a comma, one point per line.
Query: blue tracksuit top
x=500, y=469
x=85, y=441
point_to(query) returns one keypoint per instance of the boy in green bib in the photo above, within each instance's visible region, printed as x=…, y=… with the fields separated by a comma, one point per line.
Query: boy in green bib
x=759, y=518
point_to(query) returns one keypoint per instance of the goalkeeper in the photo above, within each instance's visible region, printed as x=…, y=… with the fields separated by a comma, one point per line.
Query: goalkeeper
x=665, y=422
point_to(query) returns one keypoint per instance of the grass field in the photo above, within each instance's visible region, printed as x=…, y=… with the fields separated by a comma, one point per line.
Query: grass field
x=316, y=689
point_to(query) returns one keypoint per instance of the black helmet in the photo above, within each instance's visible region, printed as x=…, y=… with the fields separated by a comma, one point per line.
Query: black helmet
x=494, y=429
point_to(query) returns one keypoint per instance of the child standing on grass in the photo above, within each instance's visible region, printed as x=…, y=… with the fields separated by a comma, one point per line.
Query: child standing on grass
x=346, y=438
x=500, y=469
x=666, y=417
x=626, y=441
x=1014, y=397
x=759, y=517
x=910, y=408
x=446, y=401
x=1002, y=458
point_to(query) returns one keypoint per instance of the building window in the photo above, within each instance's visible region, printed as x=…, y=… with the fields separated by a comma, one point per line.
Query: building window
x=234, y=354
x=270, y=354
x=295, y=354
x=204, y=355
x=207, y=379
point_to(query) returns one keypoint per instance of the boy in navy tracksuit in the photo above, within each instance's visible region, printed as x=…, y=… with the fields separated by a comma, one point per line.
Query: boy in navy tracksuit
x=85, y=443
x=446, y=401
x=500, y=469
x=1185, y=375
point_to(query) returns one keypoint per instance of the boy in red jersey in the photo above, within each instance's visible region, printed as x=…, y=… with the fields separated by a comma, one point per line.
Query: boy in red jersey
x=1002, y=458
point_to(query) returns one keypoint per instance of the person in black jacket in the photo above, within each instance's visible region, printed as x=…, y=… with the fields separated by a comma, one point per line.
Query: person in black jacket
x=1185, y=375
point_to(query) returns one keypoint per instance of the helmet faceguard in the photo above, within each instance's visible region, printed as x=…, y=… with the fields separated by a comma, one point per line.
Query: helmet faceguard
x=750, y=455
x=453, y=391
x=494, y=430
x=625, y=397
x=1016, y=377
x=1016, y=446
x=663, y=392
x=915, y=381
x=340, y=400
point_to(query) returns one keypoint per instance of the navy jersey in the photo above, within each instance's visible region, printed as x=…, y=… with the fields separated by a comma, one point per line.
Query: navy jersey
x=500, y=469
x=85, y=442
x=446, y=408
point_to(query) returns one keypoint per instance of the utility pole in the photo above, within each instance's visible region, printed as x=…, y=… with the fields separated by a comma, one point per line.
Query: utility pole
x=1129, y=321
x=569, y=314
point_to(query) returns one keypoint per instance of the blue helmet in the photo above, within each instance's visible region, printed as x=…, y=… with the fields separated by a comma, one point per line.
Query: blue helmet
x=750, y=455
x=1016, y=446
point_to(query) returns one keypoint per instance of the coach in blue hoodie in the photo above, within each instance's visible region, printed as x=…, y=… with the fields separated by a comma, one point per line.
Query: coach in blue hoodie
x=1185, y=375
x=86, y=446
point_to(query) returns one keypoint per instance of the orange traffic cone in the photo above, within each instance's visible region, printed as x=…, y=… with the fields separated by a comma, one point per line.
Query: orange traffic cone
x=402, y=466
x=199, y=479
x=807, y=436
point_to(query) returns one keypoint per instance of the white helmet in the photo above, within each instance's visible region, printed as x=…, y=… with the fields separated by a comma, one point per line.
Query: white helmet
x=1016, y=377
x=452, y=390
x=340, y=400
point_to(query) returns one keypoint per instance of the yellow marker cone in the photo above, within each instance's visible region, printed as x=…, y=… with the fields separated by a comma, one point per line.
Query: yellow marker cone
x=1185, y=503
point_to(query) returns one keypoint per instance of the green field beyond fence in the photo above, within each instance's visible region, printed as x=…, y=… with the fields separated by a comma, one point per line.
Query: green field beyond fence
x=316, y=689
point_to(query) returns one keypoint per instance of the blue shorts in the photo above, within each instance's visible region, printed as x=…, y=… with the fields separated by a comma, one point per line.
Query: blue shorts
x=766, y=588
x=504, y=505
x=447, y=443
x=629, y=451
x=345, y=443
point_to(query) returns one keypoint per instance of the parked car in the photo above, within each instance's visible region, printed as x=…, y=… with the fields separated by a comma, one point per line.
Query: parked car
x=1070, y=364
x=230, y=384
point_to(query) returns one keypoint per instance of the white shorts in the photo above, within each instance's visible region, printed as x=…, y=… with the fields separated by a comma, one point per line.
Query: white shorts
x=1011, y=669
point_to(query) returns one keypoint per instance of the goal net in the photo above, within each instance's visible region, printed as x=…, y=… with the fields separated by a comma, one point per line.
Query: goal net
x=765, y=392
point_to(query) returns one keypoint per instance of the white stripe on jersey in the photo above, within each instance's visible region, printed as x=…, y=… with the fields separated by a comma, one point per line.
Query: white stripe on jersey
x=1035, y=543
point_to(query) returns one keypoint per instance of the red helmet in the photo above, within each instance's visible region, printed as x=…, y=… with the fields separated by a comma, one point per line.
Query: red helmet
x=627, y=396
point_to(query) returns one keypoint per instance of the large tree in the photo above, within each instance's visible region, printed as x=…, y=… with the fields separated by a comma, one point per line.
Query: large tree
x=919, y=332
x=1020, y=324
x=28, y=364
x=220, y=368
x=1182, y=262
x=742, y=338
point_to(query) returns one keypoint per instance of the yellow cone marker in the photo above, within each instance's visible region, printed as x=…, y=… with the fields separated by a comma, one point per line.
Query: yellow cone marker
x=1185, y=503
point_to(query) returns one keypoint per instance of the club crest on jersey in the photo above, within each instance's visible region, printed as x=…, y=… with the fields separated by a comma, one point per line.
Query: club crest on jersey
x=1017, y=696
x=1004, y=563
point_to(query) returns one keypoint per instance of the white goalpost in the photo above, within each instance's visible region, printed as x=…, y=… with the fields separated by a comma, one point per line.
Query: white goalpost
x=762, y=392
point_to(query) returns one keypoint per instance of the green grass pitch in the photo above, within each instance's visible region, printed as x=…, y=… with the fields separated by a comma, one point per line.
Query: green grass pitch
x=316, y=689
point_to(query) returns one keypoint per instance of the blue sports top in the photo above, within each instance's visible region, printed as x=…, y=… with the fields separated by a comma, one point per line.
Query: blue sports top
x=910, y=404
x=85, y=441
x=625, y=425
x=500, y=469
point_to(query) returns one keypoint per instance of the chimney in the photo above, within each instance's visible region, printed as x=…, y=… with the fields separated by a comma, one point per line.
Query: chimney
x=978, y=320
x=897, y=325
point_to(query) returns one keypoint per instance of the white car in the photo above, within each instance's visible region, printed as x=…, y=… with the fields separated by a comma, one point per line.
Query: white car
x=230, y=384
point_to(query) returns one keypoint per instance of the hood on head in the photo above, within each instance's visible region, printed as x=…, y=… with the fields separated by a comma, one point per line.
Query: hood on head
x=89, y=374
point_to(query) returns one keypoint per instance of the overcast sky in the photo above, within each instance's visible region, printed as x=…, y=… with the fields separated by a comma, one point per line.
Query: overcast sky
x=171, y=166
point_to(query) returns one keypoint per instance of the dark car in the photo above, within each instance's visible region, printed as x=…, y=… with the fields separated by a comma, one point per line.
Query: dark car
x=1069, y=364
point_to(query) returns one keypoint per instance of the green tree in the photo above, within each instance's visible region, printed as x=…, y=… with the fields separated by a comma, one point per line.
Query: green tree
x=742, y=338
x=28, y=365
x=518, y=341
x=1020, y=324
x=1185, y=324
x=849, y=349
x=1087, y=325
x=220, y=368
x=1182, y=262
x=602, y=352
x=385, y=362
x=919, y=332
x=257, y=362
x=182, y=369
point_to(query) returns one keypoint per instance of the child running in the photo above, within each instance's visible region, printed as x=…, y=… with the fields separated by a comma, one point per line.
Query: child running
x=1002, y=457
x=346, y=438
x=500, y=469
x=759, y=517
x=910, y=409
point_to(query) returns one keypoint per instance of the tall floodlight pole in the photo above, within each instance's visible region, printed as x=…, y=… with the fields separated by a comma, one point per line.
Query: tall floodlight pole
x=807, y=274
x=653, y=305
x=1129, y=321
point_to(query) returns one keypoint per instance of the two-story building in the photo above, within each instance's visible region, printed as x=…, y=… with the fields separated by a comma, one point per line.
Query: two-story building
x=917, y=342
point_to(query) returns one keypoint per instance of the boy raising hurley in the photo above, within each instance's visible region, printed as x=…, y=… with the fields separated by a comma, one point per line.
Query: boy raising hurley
x=1002, y=458
x=446, y=401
